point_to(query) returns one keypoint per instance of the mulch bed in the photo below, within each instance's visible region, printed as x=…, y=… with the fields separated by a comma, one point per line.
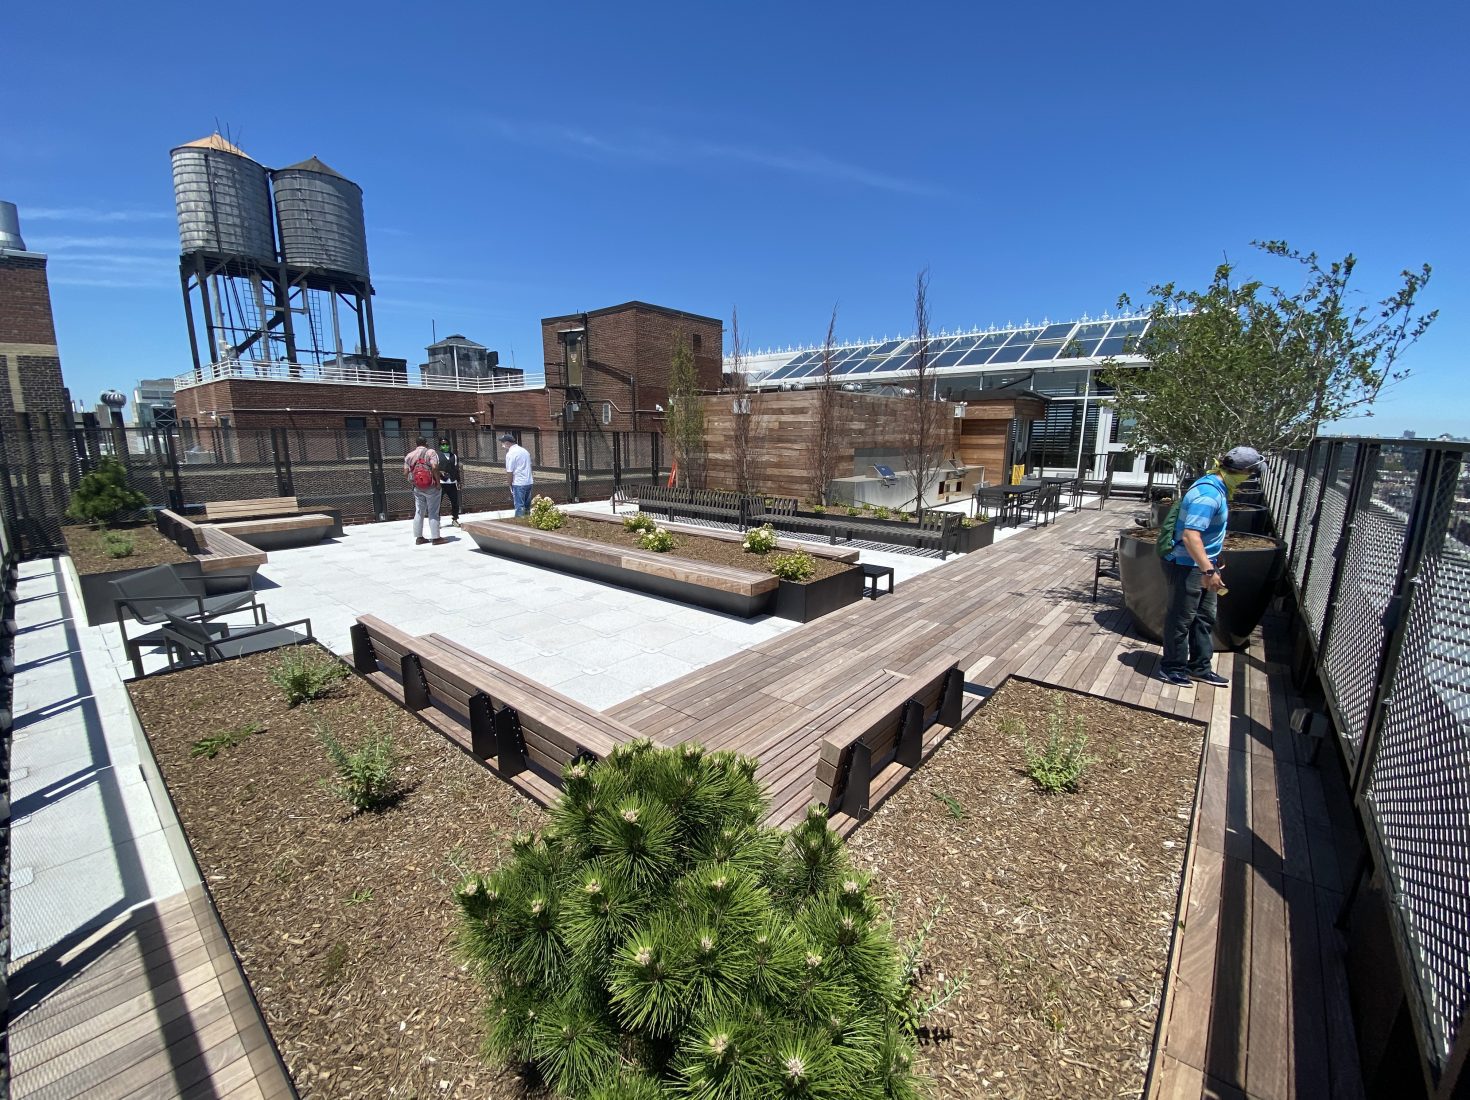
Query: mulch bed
x=713, y=551
x=89, y=553
x=345, y=923
x=1060, y=906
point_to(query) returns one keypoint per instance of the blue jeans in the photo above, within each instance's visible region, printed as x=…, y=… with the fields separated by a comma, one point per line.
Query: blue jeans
x=1189, y=622
x=520, y=495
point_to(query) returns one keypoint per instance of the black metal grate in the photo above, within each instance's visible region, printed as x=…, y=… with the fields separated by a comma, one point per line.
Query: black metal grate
x=1418, y=790
x=1371, y=565
x=1301, y=537
x=1337, y=485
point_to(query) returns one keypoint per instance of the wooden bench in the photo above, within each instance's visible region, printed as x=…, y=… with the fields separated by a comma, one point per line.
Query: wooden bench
x=526, y=731
x=280, y=532
x=885, y=734
x=216, y=550
x=273, y=508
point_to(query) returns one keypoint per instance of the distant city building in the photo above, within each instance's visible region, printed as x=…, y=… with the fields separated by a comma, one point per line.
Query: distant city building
x=153, y=403
x=457, y=357
x=1411, y=435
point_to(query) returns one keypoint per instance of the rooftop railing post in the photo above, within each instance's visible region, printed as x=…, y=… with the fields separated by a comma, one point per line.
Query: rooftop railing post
x=1310, y=560
x=375, y=475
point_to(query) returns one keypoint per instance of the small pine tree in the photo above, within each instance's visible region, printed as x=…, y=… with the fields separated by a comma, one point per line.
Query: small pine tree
x=656, y=941
x=102, y=497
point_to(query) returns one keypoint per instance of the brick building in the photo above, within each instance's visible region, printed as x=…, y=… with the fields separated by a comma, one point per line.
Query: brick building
x=29, y=360
x=619, y=384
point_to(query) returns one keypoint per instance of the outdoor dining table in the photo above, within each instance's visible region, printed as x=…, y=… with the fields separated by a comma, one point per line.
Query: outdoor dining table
x=1014, y=495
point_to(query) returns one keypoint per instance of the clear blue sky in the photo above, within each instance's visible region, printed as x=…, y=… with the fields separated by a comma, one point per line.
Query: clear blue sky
x=521, y=161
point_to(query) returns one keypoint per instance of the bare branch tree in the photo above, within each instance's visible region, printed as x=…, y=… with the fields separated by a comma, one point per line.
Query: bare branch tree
x=743, y=405
x=925, y=419
x=822, y=447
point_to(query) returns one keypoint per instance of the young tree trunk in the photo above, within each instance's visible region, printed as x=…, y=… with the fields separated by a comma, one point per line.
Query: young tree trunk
x=743, y=406
x=822, y=447
x=925, y=419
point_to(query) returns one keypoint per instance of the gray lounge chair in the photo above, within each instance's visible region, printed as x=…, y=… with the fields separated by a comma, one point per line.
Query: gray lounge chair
x=151, y=596
x=207, y=642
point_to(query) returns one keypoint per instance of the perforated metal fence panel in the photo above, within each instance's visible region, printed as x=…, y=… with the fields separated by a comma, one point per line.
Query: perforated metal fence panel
x=1372, y=560
x=1302, y=526
x=1336, y=485
x=1417, y=793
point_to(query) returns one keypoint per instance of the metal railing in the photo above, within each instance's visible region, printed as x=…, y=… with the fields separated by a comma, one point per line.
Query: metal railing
x=358, y=473
x=346, y=375
x=1378, y=535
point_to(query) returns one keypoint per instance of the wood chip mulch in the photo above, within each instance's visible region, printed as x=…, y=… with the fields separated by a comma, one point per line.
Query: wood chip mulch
x=89, y=553
x=345, y=923
x=713, y=551
x=1059, y=906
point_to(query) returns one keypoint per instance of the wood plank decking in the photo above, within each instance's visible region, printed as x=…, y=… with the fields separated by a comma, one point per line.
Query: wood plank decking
x=150, y=1005
x=1257, y=999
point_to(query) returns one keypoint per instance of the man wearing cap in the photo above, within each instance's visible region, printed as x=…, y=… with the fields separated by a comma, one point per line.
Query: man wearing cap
x=518, y=466
x=1192, y=570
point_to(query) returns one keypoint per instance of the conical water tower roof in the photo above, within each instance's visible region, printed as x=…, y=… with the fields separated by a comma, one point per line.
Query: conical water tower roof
x=216, y=142
x=313, y=164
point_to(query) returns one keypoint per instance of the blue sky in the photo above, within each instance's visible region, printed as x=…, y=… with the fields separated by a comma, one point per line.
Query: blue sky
x=530, y=160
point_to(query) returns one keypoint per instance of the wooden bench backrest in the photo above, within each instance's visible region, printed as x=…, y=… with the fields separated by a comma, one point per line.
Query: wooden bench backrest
x=878, y=729
x=181, y=530
x=245, y=509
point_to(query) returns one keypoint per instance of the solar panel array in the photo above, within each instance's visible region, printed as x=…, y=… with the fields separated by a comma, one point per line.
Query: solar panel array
x=1040, y=343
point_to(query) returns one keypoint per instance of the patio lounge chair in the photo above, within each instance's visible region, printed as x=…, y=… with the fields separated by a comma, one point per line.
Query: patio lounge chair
x=207, y=642
x=151, y=596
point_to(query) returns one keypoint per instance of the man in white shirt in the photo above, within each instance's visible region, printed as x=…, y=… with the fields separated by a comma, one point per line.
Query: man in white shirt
x=518, y=466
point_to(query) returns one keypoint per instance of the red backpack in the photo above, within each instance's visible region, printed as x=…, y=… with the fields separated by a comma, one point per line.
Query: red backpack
x=421, y=471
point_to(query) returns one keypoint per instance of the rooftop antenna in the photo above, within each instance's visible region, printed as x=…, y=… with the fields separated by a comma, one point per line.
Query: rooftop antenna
x=433, y=331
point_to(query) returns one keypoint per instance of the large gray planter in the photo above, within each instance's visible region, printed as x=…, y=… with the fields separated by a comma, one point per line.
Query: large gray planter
x=976, y=538
x=804, y=602
x=1250, y=578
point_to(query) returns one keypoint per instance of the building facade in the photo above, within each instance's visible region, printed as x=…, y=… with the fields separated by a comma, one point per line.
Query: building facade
x=153, y=403
x=30, y=363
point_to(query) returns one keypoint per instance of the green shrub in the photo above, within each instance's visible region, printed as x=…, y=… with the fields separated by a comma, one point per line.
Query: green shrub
x=795, y=566
x=216, y=743
x=760, y=540
x=819, y=509
x=102, y=497
x=118, y=545
x=657, y=942
x=545, y=515
x=657, y=540
x=365, y=775
x=882, y=513
x=854, y=510
x=639, y=521
x=304, y=674
x=1059, y=764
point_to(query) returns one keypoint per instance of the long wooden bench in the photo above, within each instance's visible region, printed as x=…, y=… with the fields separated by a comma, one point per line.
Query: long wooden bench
x=287, y=513
x=886, y=733
x=528, y=732
x=217, y=550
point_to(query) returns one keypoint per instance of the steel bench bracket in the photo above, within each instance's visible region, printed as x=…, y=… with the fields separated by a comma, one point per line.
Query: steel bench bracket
x=510, y=743
x=482, y=726
x=364, y=660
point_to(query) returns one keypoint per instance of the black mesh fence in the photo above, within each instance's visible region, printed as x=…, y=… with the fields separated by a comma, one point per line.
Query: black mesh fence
x=358, y=473
x=1380, y=560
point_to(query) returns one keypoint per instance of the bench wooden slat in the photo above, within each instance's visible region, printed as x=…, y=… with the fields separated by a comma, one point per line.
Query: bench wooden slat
x=244, y=509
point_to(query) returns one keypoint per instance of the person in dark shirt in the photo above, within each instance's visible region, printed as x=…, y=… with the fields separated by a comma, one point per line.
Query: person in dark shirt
x=449, y=477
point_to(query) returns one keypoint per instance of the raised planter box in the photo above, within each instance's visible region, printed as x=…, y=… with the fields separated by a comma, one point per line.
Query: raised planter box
x=976, y=538
x=97, y=591
x=740, y=592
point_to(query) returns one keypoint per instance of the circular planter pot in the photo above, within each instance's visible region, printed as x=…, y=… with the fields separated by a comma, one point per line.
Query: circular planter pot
x=1158, y=510
x=1248, y=519
x=1243, y=495
x=1250, y=577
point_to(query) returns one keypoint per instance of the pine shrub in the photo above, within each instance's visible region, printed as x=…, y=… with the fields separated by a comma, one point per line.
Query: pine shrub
x=102, y=497
x=655, y=941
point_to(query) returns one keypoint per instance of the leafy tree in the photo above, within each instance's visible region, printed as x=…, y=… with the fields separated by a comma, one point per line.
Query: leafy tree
x=103, y=497
x=1251, y=363
x=684, y=423
x=656, y=941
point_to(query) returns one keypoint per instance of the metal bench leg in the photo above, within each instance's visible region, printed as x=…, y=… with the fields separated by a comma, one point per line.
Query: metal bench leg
x=364, y=660
x=510, y=745
x=482, y=726
x=856, y=790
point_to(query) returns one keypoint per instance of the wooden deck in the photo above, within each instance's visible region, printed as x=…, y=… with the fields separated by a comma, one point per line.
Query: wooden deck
x=151, y=1005
x=1256, y=1004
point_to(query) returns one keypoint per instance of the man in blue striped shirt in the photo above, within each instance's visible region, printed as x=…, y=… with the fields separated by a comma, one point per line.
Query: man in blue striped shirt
x=1192, y=570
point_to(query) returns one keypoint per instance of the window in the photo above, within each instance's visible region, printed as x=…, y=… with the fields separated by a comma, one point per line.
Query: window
x=357, y=445
x=698, y=343
x=392, y=425
x=427, y=426
x=357, y=423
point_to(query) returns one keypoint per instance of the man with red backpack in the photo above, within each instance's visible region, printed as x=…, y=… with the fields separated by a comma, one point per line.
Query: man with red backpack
x=421, y=467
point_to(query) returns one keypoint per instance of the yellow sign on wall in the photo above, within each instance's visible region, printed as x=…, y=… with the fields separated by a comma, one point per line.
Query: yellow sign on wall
x=1018, y=472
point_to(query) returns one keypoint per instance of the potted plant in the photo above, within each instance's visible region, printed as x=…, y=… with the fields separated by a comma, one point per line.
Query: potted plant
x=977, y=533
x=1249, y=363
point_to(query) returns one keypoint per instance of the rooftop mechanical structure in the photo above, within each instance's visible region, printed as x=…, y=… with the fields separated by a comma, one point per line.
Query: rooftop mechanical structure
x=273, y=264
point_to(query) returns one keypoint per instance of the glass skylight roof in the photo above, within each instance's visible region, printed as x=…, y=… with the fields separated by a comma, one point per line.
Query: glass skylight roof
x=1033, y=344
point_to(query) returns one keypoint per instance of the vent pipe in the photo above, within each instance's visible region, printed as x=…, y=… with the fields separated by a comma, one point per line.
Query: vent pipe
x=10, y=228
